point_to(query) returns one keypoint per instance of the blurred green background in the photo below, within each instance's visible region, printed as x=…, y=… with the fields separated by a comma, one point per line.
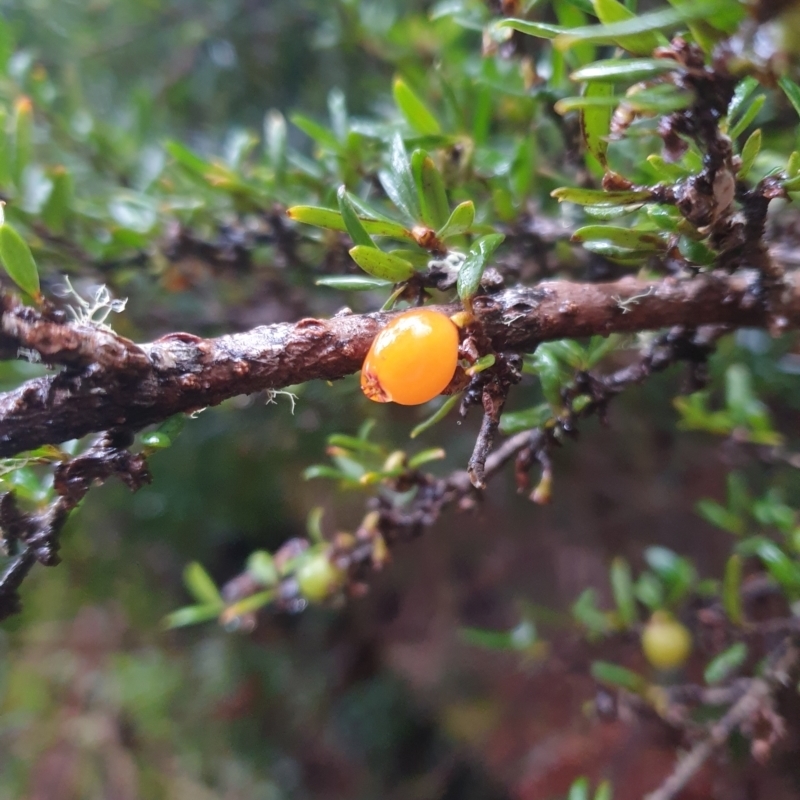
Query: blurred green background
x=380, y=698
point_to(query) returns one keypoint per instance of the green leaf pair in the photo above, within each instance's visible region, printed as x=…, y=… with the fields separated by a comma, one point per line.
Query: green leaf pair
x=18, y=260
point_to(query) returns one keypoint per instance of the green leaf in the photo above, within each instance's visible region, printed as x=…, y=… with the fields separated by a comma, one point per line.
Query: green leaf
x=426, y=456
x=624, y=70
x=155, y=440
x=275, y=142
x=381, y=265
x=58, y=208
x=725, y=664
x=190, y=615
x=353, y=283
x=414, y=110
x=18, y=260
x=738, y=129
x=676, y=573
x=743, y=90
x=321, y=135
x=662, y=21
x=250, y=604
x=597, y=197
x=351, y=221
x=720, y=517
x=261, y=566
x=200, y=585
x=785, y=571
x=521, y=637
x=749, y=152
x=398, y=181
x=357, y=444
x=622, y=587
x=603, y=791
x=649, y=591
x=333, y=220
x=596, y=121
x=579, y=790
x=791, y=90
x=23, y=137
x=611, y=11
x=624, y=237
x=586, y=612
x=732, y=589
x=469, y=276
x=460, y=221
x=430, y=189
x=538, y=29
x=187, y=159
x=529, y=418
x=437, y=416
x=614, y=675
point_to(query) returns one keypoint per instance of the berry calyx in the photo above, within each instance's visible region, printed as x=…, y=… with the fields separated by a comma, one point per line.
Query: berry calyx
x=412, y=359
x=665, y=641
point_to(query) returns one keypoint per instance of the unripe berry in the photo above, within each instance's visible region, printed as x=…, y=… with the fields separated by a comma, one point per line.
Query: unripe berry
x=665, y=641
x=412, y=359
x=317, y=577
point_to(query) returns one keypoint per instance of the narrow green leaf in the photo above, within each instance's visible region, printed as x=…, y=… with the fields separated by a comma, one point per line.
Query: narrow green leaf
x=437, y=416
x=596, y=120
x=525, y=420
x=743, y=90
x=622, y=587
x=586, y=612
x=426, y=456
x=791, y=90
x=720, y=516
x=611, y=11
x=381, y=265
x=351, y=221
x=620, y=70
x=357, y=444
x=725, y=664
x=200, y=585
x=18, y=260
x=603, y=791
x=398, y=181
x=275, y=142
x=732, y=589
x=333, y=220
x=59, y=205
x=785, y=571
x=414, y=110
x=661, y=21
x=321, y=135
x=696, y=252
x=459, y=222
x=23, y=137
x=187, y=159
x=469, y=276
x=749, y=152
x=597, y=197
x=752, y=112
x=353, y=283
x=614, y=675
x=624, y=237
x=579, y=789
x=190, y=615
x=538, y=29
x=250, y=604
x=430, y=189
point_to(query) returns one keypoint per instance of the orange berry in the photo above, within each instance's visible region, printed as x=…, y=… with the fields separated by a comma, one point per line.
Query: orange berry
x=412, y=359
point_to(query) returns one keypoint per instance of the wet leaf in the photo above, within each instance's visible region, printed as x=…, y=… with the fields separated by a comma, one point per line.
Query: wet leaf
x=525, y=420
x=624, y=237
x=624, y=70
x=381, y=265
x=351, y=221
x=596, y=121
x=752, y=112
x=597, y=197
x=333, y=220
x=538, y=29
x=611, y=11
x=398, y=181
x=469, y=276
x=430, y=188
x=459, y=222
x=353, y=283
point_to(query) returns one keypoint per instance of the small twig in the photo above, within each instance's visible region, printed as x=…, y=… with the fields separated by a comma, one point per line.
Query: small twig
x=759, y=692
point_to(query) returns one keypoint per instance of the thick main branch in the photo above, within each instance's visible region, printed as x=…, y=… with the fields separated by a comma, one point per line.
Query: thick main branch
x=122, y=385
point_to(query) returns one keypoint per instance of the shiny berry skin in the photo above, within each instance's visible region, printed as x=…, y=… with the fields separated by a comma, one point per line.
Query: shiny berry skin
x=412, y=359
x=665, y=641
x=317, y=578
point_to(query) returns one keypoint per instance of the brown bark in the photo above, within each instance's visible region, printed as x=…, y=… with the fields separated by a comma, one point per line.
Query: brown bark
x=109, y=382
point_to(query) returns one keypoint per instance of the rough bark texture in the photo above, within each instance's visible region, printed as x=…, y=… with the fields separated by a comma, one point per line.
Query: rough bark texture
x=109, y=382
